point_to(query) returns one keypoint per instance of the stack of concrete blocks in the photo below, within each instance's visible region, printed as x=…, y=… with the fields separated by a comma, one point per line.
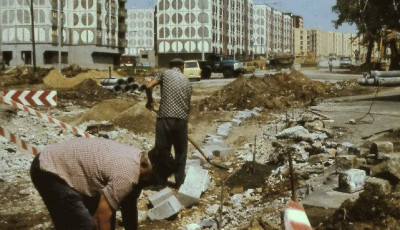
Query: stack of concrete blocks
x=214, y=145
x=165, y=205
x=352, y=180
x=196, y=182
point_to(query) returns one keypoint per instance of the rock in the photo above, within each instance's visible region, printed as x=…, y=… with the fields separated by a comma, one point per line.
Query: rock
x=389, y=170
x=213, y=209
x=192, y=227
x=237, y=198
x=207, y=223
x=314, y=125
x=237, y=190
x=377, y=187
x=331, y=152
x=352, y=180
x=292, y=132
x=320, y=158
x=142, y=216
x=345, y=162
x=383, y=146
x=255, y=225
x=352, y=122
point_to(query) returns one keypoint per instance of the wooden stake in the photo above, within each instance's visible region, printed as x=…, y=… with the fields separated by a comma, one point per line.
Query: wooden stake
x=292, y=179
x=254, y=153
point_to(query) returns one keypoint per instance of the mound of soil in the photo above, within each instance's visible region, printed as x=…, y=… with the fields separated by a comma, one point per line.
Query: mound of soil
x=130, y=114
x=87, y=93
x=367, y=212
x=247, y=178
x=57, y=81
x=271, y=91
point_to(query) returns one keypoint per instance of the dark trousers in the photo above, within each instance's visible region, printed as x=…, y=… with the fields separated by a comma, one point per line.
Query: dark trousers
x=173, y=132
x=72, y=210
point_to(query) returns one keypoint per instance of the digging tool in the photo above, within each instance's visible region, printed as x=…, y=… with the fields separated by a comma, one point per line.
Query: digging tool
x=215, y=164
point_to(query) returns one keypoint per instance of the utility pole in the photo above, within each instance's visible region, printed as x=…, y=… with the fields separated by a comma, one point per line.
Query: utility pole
x=59, y=22
x=33, y=41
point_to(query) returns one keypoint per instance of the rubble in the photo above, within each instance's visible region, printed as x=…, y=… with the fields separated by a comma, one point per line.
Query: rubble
x=166, y=209
x=352, y=180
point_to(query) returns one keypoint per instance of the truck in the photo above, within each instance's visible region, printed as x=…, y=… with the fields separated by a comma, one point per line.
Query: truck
x=218, y=63
x=280, y=61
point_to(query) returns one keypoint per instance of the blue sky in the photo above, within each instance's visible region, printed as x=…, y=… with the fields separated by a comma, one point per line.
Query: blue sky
x=316, y=13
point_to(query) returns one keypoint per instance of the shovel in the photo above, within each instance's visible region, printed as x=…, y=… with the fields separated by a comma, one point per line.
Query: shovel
x=215, y=164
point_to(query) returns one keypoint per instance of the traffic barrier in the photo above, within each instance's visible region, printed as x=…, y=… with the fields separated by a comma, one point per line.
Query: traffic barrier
x=32, y=97
x=16, y=140
x=46, y=118
x=295, y=217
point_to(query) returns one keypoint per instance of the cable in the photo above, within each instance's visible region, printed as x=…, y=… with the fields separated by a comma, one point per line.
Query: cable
x=369, y=111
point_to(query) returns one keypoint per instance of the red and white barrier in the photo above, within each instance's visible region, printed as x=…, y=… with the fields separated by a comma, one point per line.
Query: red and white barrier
x=295, y=217
x=45, y=117
x=32, y=97
x=16, y=140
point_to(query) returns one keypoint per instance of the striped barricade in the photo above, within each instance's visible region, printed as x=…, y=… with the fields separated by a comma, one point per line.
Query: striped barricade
x=18, y=141
x=32, y=97
x=295, y=217
x=46, y=118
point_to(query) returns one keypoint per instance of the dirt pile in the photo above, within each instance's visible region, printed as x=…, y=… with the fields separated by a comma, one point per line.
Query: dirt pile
x=55, y=80
x=130, y=114
x=271, y=91
x=87, y=93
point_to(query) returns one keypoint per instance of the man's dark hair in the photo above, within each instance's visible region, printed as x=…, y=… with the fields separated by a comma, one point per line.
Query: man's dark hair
x=163, y=164
x=176, y=62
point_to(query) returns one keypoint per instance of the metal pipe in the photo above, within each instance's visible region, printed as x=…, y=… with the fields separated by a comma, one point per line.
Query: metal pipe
x=379, y=74
x=125, y=88
x=389, y=81
x=114, y=88
x=112, y=81
x=129, y=80
x=366, y=81
x=134, y=86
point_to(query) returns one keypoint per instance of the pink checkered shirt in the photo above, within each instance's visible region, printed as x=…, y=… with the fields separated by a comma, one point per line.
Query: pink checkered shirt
x=93, y=166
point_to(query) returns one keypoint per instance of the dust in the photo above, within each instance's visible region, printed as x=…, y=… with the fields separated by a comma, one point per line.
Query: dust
x=277, y=91
x=57, y=81
x=130, y=114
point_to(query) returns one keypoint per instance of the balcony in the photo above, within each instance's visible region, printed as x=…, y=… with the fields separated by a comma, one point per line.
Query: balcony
x=122, y=42
x=99, y=40
x=54, y=39
x=99, y=25
x=123, y=13
x=122, y=28
x=98, y=7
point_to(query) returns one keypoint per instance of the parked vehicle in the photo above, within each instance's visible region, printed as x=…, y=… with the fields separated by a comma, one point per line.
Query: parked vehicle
x=192, y=69
x=333, y=56
x=344, y=62
x=249, y=67
x=228, y=67
x=280, y=61
x=128, y=60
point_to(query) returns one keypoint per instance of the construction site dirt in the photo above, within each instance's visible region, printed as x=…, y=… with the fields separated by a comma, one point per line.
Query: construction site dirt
x=321, y=123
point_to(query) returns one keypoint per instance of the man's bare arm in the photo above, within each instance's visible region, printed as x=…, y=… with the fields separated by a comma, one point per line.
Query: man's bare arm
x=149, y=92
x=102, y=216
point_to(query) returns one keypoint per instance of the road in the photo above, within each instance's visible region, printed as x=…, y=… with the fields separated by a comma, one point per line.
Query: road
x=322, y=74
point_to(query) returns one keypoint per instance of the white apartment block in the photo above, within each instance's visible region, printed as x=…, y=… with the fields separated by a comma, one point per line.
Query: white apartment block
x=277, y=32
x=92, y=32
x=261, y=29
x=140, y=34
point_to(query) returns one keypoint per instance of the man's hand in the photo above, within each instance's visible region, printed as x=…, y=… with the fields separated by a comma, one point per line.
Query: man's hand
x=150, y=105
x=102, y=216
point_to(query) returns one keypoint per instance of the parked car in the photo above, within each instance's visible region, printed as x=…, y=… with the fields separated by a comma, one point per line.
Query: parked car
x=192, y=69
x=344, y=62
x=249, y=67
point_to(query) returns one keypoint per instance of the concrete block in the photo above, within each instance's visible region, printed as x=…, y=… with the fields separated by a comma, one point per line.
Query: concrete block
x=160, y=196
x=352, y=180
x=383, y=146
x=192, y=227
x=236, y=122
x=314, y=125
x=243, y=115
x=389, y=170
x=377, y=187
x=166, y=209
x=193, y=162
x=224, y=129
x=188, y=195
x=198, y=178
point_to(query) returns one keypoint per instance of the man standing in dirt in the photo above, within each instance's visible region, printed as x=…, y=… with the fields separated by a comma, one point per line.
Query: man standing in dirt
x=84, y=181
x=173, y=114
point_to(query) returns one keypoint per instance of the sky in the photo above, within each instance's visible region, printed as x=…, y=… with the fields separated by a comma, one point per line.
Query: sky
x=316, y=13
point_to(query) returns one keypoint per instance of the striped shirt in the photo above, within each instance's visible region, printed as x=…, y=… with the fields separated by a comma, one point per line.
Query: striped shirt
x=176, y=91
x=93, y=166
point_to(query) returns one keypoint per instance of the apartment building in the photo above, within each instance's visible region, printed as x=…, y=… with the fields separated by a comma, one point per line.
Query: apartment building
x=262, y=30
x=90, y=33
x=140, y=32
x=301, y=39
